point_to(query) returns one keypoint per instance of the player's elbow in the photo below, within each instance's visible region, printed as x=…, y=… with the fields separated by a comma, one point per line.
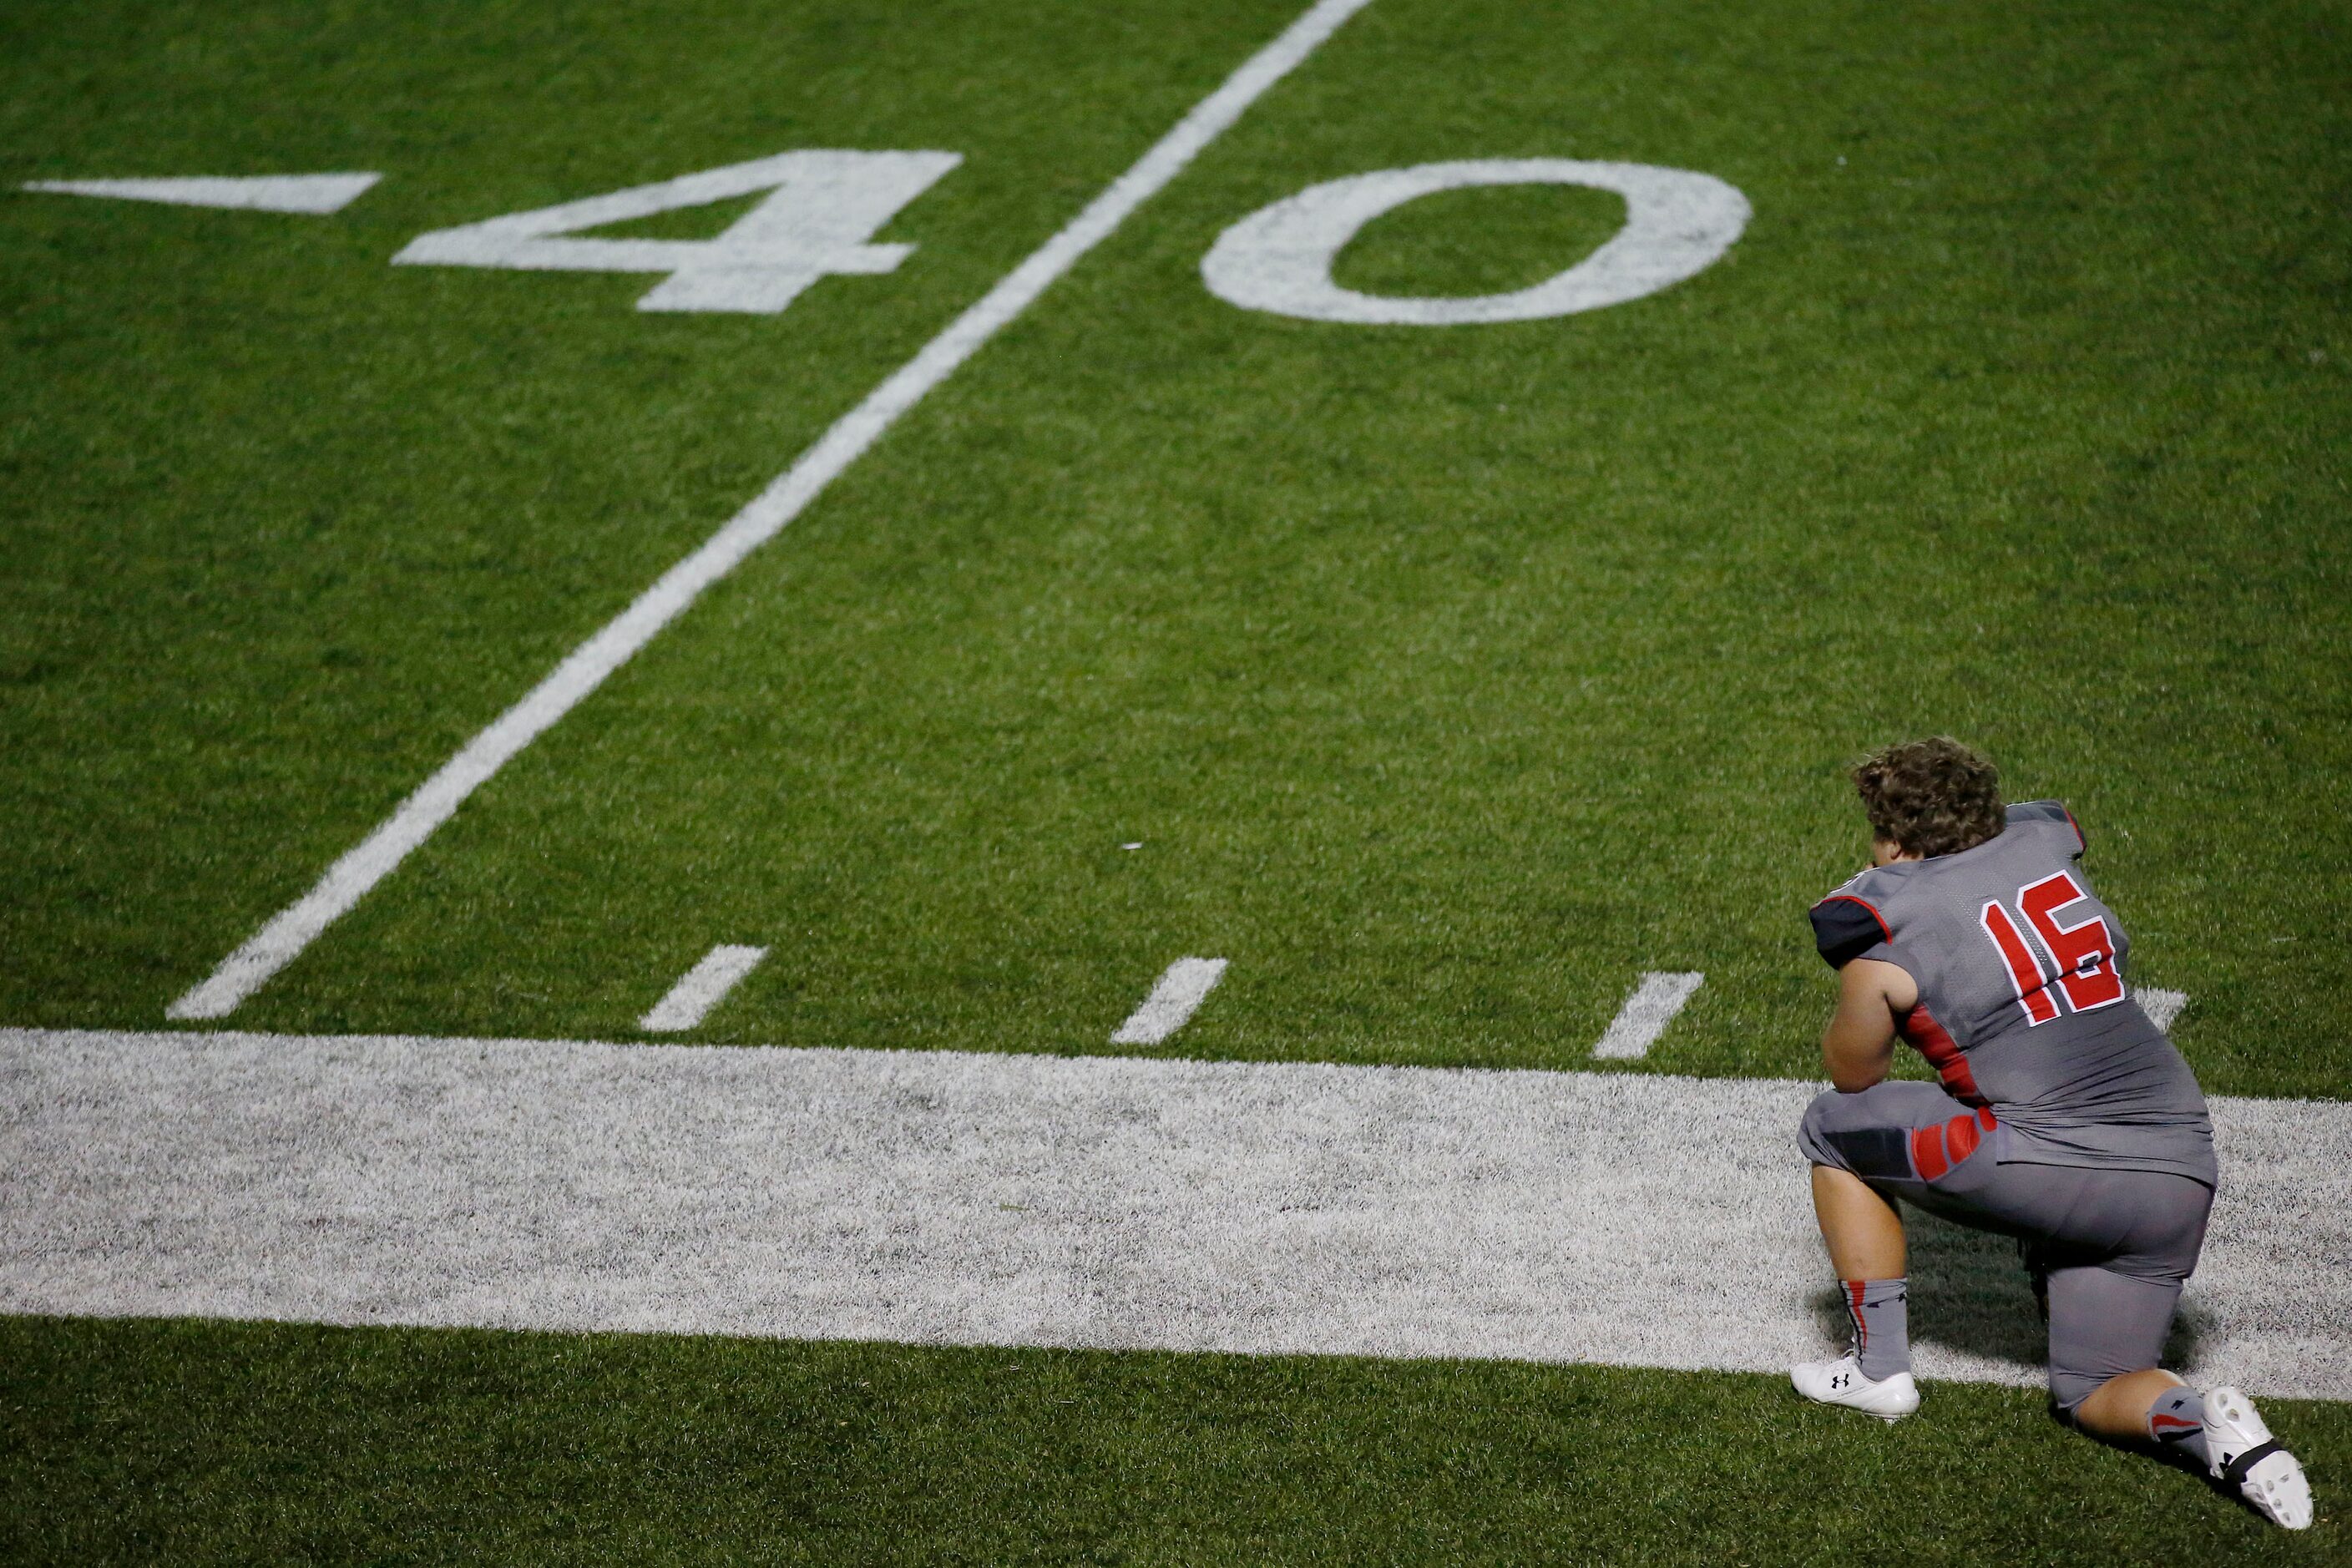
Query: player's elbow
x=1858, y=1046
x=1854, y=1065
x=1853, y=1078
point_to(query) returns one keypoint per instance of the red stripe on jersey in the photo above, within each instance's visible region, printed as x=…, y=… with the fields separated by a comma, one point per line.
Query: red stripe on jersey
x=2081, y=841
x=1933, y=1041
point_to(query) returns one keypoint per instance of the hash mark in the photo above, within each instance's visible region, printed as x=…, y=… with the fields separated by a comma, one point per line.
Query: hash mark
x=702, y=988
x=1173, y=1001
x=2161, y=1007
x=1646, y=1013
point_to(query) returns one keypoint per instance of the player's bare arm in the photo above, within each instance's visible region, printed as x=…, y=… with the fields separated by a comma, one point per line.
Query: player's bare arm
x=1858, y=1046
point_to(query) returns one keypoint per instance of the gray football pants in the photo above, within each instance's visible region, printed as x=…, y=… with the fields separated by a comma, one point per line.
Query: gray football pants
x=2110, y=1248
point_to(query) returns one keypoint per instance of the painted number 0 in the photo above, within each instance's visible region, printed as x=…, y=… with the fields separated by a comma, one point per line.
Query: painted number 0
x=2084, y=952
x=1279, y=258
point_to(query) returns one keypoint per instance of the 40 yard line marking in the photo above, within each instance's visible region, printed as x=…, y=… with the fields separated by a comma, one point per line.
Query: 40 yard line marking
x=294, y=927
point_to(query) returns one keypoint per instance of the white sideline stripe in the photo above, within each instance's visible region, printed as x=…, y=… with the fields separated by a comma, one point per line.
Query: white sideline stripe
x=947, y=1198
x=287, y=933
x=264, y=192
x=1646, y=1013
x=702, y=988
x=2161, y=1007
x=1173, y=1001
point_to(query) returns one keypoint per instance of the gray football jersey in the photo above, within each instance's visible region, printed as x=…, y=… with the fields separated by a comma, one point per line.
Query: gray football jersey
x=2024, y=1004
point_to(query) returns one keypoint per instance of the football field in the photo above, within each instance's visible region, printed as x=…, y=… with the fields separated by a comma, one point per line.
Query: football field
x=1191, y=564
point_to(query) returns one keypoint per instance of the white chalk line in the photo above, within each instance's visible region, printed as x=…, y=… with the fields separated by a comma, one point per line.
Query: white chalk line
x=288, y=933
x=1177, y=996
x=1113, y=1202
x=701, y=989
x=316, y=193
x=1655, y=1003
x=2162, y=1007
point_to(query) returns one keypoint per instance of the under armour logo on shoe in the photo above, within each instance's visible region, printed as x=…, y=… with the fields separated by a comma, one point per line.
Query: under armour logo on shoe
x=1838, y=1381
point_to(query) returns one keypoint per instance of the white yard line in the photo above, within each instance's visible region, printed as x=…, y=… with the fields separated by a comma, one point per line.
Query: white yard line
x=948, y=1198
x=282, y=938
x=1646, y=1013
x=702, y=988
x=2162, y=1007
x=1173, y=1000
x=317, y=194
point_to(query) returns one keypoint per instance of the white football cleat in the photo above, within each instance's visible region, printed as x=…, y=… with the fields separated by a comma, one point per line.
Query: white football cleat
x=1840, y=1382
x=2242, y=1453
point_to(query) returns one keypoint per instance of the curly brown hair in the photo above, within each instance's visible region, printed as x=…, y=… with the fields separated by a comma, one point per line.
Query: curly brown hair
x=1931, y=797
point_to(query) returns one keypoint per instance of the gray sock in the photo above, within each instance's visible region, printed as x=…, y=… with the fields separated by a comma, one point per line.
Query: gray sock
x=1882, y=1330
x=2177, y=1422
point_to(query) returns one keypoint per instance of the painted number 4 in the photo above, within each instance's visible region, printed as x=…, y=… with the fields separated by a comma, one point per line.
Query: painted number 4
x=822, y=213
x=2084, y=952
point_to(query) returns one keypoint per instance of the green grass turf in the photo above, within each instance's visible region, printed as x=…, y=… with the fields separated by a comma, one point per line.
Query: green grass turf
x=188, y=1443
x=285, y=524
x=1450, y=678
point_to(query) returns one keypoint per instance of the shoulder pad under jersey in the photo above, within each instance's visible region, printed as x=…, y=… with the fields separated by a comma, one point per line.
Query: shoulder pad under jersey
x=1847, y=924
x=2052, y=814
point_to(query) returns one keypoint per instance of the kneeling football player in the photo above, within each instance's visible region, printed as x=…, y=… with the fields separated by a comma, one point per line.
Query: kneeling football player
x=2065, y=1117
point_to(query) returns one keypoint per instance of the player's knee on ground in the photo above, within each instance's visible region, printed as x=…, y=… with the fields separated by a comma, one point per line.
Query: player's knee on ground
x=2103, y=1324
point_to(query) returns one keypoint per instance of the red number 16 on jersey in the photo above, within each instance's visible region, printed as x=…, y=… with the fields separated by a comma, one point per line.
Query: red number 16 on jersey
x=2084, y=952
